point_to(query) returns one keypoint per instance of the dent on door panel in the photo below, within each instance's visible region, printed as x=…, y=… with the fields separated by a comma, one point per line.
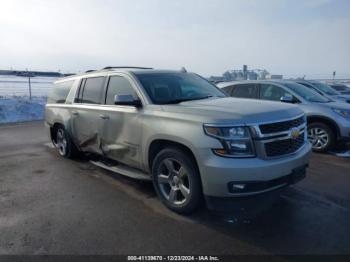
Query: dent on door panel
x=120, y=136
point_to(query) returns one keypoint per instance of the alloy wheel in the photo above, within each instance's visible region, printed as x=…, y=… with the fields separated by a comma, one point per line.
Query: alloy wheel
x=318, y=137
x=61, y=142
x=174, y=182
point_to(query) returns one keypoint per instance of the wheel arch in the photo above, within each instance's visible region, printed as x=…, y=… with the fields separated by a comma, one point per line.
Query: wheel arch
x=331, y=123
x=157, y=145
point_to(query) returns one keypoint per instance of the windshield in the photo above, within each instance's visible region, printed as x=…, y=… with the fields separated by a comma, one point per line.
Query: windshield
x=306, y=93
x=325, y=88
x=170, y=88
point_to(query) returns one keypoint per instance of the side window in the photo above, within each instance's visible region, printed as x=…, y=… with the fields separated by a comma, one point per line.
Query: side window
x=92, y=90
x=272, y=92
x=118, y=85
x=228, y=90
x=59, y=92
x=245, y=91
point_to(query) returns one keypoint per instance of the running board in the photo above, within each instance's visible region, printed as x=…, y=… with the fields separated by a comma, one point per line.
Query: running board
x=123, y=170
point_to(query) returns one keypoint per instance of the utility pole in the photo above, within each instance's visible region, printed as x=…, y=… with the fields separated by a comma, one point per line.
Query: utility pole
x=29, y=85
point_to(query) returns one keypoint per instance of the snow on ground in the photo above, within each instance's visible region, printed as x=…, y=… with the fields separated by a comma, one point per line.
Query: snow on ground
x=19, y=109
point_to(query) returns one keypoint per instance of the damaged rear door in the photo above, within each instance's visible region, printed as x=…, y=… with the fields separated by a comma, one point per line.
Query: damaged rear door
x=86, y=115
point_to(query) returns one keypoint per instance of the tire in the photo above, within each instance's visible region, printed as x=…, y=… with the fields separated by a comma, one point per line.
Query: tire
x=321, y=136
x=64, y=144
x=176, y=181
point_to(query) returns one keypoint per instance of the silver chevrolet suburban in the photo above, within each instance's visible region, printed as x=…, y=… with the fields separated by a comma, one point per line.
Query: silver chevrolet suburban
x=181, y=132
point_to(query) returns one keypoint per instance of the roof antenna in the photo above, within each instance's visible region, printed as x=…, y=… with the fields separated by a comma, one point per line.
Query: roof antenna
x=183, y=70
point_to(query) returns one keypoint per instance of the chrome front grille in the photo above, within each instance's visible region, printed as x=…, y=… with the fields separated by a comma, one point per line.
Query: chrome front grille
x=281, y=138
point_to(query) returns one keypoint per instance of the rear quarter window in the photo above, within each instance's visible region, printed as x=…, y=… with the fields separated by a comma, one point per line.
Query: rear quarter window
x=59, y=92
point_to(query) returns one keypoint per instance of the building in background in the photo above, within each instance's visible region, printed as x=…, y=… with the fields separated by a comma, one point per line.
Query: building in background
x=269, y=76
x=244, y=74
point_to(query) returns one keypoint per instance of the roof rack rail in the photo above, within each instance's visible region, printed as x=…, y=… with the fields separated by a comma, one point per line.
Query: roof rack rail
x=89, y=71
x=133, y=67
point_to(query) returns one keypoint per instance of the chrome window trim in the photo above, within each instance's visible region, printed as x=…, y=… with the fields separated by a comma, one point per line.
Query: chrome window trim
x=115, y=108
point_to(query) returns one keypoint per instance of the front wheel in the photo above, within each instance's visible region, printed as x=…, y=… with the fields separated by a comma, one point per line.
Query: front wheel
x=176, y=180
x=321, y=137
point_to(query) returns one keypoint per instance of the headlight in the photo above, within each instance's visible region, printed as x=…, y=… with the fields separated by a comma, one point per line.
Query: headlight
x=236, y=141
x=343, y=112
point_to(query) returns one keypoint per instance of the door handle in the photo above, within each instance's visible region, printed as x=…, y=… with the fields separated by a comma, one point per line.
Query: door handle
x=75, y=113
x=104, y=117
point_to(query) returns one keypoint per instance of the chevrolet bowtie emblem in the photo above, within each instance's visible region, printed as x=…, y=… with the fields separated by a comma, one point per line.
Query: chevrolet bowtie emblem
x=294, y=133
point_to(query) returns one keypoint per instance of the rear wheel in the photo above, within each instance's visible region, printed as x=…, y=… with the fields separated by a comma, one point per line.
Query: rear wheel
x=63, y=142
x=176, y=180
x=321, y=136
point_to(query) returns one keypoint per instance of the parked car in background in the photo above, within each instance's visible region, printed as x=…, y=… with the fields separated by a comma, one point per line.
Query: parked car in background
x=341, y=88
x=328, y=121
x=325, y=90
x=180, y=131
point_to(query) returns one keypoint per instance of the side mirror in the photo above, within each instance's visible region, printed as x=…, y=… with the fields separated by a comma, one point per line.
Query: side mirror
x=127, y=100
x=288, y=99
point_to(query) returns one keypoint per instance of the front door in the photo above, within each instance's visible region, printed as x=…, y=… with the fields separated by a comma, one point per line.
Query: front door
x=121, y=129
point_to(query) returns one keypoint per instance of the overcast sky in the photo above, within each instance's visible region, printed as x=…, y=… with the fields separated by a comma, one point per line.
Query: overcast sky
x=290, y=37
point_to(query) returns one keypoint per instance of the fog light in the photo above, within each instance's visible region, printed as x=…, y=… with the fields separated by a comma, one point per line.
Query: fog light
x=238, y=187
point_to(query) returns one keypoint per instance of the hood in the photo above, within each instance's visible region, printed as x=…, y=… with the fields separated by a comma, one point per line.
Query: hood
x=231, y=110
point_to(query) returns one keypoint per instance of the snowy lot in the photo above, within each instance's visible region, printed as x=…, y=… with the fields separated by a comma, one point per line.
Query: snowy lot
x=15, y=105
x=19, y=109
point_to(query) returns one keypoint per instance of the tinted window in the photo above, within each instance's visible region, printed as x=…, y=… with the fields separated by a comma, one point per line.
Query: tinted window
x=311, y=87
x=306, y=93
x=272, y=92
x=167, y=88
x=227, y=90
x=92, y=91
x=245, y=91
x=118, y=85
x=325, y=88
x=59, y=92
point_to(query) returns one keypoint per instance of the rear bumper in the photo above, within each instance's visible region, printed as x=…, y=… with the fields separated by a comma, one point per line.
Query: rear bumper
x=256, y=194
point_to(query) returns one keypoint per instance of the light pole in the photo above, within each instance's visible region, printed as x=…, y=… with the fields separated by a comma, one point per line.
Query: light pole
x=29, y=85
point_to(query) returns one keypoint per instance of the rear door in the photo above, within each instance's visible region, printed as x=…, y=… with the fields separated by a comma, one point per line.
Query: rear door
x=272, y=92
x=86, y=116
x=248, y=90
x=121, y=129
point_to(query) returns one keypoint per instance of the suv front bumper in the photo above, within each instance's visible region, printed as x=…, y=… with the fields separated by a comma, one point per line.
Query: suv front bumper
x=218, y=174
x=254, y=200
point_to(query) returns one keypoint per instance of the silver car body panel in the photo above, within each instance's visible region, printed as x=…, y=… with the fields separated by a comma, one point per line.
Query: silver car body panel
x=125, y=133
x=311, y=109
